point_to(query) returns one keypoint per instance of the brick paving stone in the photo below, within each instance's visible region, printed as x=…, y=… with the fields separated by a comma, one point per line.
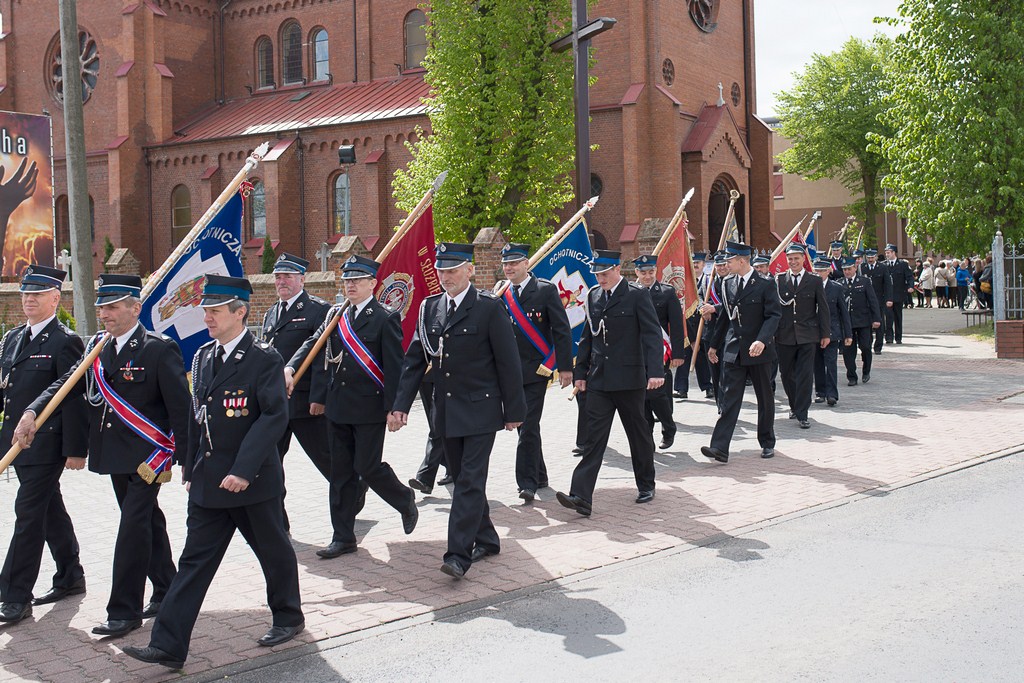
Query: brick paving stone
x=933, y=402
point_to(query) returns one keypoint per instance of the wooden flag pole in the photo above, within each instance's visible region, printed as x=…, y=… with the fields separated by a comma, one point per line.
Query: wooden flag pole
x=810, y=226
x=185, y=244
x=406, y=225
x=733, y=198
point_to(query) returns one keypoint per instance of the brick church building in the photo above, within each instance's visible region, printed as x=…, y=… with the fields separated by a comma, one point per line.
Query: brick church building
x=179, y=92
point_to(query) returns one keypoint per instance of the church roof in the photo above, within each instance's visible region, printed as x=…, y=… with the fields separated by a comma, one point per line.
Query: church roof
x=308, y=108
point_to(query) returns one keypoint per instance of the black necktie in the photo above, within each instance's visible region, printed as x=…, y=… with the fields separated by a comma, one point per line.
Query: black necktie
x=218, y=360
x=451, y=310
x=796, y=281
x=284, y=309
x=518, y=291
x=739, y=288
x=26, y=339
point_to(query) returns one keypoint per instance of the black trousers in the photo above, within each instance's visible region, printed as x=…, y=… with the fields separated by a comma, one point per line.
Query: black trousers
x=469, y=522
x=356, y=452
x=312, y=434
x=141, y=548
x=734, y=384
x=826, y=362
x=701, y=368
x=862, y=341
x=658, y=407
x=581, y=419
x=209, y=533
x=796, y=365
x=601, y=409
x=531, y=471
x=893, y=323
x=434, y=455
x=40, y=520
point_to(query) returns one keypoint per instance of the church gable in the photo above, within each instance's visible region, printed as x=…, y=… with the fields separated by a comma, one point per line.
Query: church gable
x=715, y=135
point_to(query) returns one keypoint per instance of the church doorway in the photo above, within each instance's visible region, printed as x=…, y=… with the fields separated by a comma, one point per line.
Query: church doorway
x=718, y=207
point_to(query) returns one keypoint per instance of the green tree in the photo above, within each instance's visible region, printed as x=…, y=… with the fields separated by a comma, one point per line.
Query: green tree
x=956, y=116
x=501, y=119
x=833, y=107
x=269, y=257
x=108, y=249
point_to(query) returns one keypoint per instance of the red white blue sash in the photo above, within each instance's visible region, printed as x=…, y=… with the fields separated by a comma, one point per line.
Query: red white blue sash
x=160, y=459
x=524, y=323
x=355, y=346
x=715, y=299
x=667, y=343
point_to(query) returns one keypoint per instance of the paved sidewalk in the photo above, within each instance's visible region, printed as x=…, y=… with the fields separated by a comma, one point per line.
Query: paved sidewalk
x=935, y=401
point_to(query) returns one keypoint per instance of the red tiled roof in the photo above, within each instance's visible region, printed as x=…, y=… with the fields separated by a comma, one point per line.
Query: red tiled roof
x=323, y=106
x=703, y=127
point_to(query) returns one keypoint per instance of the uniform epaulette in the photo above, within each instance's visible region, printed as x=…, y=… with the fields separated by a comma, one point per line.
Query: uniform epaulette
x=158, y=335
x=487, y=293
x=434, y=296
x=315, y=299
x=545, y=280
x=65, y=328
x=634, y=285
x=262, y=344
x=389, y=309
x=209, y=343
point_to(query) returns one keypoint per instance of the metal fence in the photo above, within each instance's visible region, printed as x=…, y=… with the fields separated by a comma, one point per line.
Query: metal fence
x=1008, y=278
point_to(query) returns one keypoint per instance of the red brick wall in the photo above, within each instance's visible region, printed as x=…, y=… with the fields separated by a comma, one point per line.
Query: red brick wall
x=1010, y=339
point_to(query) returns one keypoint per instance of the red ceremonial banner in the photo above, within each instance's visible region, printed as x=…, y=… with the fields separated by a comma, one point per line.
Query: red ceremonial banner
x=675, y=267
x=407, y=276
x=780, y=264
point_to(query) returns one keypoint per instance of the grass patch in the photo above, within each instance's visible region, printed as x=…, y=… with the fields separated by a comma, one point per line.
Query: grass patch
x=985, y=331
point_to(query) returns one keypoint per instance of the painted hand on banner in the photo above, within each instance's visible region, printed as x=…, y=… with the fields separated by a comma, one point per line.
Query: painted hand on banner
x=20, y=187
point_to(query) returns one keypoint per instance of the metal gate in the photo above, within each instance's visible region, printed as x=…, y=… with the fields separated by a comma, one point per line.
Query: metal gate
x=1007, y=279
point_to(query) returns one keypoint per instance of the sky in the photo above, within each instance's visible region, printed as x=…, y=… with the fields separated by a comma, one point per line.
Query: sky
x=788, y=32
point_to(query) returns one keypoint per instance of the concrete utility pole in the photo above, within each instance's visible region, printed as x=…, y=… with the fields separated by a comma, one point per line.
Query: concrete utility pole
x=78, y=189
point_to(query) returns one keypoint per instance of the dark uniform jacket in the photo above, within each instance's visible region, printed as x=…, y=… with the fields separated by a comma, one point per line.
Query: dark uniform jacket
x=287, y=333
x=902, y=280
x=350, y=394
x=540, y=300
x=836, y=271
x=864, y=307
x=838, y=310
x=805, y=318
x=753, y=316
x=478, y=375
x=26, y=374
x=878, y=273
x=626, y=350
x=670, y=315
x=148, y=374
x=245, y=415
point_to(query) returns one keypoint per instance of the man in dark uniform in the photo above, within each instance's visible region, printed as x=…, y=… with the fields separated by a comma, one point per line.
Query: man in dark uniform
x=710, y=312
x=835, y=259
x=743, y=343
x=286, y=325
x=805, y=324
x=658, y=405
x=619, y=359
x=762, y=266
x=703, y=372
x=902, y=288
x=865, y=317
x=32, y=357
x=433, y=452
x=881, y=282
x=140, y=387
x=465, y=334
x=826, y=359
x=364, y=360
x=233, y=474
x=544, y=338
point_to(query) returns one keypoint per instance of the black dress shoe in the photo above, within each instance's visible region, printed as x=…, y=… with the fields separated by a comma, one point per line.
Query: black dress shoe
x=527, y=495
x=453, y=569
x=151, y=609
x=411, y=515
x=420, y=486
x=805, y=424
x=878, y=352
x=832, y=402
x=480, y=552
x=280, y=634
x=792, y=415
x=58, y=593
x=152, y=655
x=574, y=503
x=117, y=627
x=13, y=612
x=679, y=394
x=336, y=549
x=851, y=383
x=899, y=341
x=645, y=497
x=709, y=393
x=714, y=453
x=445, y=480
x=866, y=379
x=819, y=399
x=767, y=452
x=667, y=440
x=577, y=452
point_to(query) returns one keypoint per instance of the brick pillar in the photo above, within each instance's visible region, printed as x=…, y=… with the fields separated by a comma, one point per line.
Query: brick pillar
x=346, y=246
x=1010, y=339
x=122, y=262
x=487, y=257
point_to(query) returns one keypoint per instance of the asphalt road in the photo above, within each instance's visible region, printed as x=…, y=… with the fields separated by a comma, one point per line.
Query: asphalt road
x=924, y=583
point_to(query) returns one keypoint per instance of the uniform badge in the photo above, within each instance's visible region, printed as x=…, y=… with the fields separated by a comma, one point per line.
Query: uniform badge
x=134, y=343
x=126, y=372
x=299, y=306
x=236, y=405
x=442, y=248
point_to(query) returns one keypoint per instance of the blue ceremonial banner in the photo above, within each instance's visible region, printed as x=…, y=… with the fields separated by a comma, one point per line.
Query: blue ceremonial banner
x=568, y=267
x=812, y=243
x=173, y=306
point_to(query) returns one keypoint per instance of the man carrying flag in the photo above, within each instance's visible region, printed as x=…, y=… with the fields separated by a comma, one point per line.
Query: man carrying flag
x=702, y=268
x=836, y=260
x=544, y=339
x=138, y=424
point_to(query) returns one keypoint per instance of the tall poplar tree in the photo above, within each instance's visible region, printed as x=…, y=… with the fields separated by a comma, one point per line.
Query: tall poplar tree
x=501, y=119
